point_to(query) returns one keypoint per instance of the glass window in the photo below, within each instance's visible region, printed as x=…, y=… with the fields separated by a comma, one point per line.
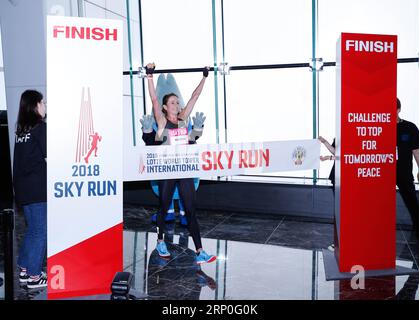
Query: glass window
x=132, y=92
x=267, y=31
x=372, y=16
x=117, y=7
x=178, y=36
x=61, y=7
x=106, y=7
x=270, y=105
x=94, y=11
x=257, y=105
x=2, y=83
x=327, y=115
x=101, y=3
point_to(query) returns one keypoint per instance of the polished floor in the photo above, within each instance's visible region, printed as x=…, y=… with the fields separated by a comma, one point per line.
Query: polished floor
x=259, y=257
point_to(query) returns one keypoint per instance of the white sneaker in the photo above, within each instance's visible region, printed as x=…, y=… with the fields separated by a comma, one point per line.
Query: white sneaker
x=40, y=282
x=23, y=277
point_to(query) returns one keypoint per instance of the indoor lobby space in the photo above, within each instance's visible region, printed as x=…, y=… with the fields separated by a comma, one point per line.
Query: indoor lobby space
x=266, y=257
x=227, y=151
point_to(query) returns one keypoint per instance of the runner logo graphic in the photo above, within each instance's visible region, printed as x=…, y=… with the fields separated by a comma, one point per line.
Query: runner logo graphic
x=141, y=167
x=87, y=138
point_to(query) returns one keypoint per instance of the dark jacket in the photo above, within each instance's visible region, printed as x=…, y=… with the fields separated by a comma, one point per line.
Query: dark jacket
x=30, y=167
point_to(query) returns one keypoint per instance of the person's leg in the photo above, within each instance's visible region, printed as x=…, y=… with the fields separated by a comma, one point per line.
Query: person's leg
x=170, y=216
x=181, y=208
x=182, y=217
x=38, y=235
x=332, y=246
x=408, y=194
x=22, y=261
x=166, y=190
x=188, y=197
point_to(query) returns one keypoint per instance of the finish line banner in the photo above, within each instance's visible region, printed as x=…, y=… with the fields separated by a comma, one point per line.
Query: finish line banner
x=199, y=161
x=84, y=155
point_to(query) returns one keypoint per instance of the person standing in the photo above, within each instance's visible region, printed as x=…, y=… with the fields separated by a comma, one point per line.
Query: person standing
x=332, y=150
x=407, y=148
x=172, y=124
x=30, y=186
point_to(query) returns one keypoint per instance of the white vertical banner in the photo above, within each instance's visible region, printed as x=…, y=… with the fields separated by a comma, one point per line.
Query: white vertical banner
x=84, y=139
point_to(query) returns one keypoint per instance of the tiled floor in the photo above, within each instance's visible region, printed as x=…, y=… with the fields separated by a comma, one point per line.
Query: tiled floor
x=259, y=257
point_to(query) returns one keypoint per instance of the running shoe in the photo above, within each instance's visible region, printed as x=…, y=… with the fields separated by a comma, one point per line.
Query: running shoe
x=38, y=282
x=204, y=257
x=23, y=276
x=331, y=247
x=162, y=249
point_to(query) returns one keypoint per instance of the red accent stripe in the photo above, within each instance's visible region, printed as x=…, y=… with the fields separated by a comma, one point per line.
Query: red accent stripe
x=91, y=129
x=81, y=132
x=89, y=266
x=82, y=126
x=83, y=141
x=90, y=119
x=78, y=133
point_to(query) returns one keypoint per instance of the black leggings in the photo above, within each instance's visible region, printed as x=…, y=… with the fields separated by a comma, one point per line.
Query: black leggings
x=407, y=191
x=187, y=194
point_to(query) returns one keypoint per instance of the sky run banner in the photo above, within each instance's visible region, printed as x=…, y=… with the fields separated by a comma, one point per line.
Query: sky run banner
x=199, y=161
x=84, y=155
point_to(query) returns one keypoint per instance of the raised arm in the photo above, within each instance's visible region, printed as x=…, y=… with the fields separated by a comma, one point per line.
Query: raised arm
x=158, y=114
x=184, y=114
x=327, y=145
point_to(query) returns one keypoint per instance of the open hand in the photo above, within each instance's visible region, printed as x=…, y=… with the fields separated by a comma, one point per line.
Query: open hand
x=147, y=122
x=198, y=120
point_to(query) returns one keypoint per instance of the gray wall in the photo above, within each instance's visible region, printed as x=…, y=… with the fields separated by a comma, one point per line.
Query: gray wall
x=24, y=52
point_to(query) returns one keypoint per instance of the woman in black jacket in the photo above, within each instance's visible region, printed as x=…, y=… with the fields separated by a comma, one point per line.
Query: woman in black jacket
x=30, y=185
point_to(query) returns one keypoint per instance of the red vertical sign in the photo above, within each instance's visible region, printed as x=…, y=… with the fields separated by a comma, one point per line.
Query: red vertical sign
x=366, y=151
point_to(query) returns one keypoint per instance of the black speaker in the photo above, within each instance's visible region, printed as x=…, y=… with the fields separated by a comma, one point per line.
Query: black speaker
x=121, y=286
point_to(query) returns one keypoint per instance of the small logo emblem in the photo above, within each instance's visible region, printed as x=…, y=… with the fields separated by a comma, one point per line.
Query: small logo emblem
x=298, y=155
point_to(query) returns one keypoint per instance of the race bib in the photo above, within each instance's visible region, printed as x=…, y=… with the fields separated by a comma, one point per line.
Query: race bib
x=178, y=136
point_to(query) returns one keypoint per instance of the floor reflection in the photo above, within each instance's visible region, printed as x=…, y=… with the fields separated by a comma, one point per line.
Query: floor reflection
x=260, y=257
x=247, y=271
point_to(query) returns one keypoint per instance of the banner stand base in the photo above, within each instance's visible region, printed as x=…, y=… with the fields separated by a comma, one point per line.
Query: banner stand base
x=332, y=272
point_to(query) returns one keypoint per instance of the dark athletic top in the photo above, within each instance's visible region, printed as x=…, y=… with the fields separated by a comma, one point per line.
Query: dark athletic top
x=30, y=167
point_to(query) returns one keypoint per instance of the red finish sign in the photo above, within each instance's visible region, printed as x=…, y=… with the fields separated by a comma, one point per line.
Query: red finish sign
x=366, y=151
